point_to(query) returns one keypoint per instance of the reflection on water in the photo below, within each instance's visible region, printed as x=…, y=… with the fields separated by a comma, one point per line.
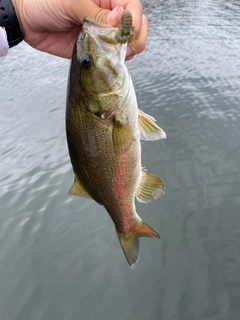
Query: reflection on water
x=59, y=255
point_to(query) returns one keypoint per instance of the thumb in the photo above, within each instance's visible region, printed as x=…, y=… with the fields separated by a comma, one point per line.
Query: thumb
x=113, y=17
x=90, y=9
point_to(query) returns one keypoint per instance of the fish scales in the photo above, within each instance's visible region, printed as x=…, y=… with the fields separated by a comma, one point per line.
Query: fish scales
x=104, y=127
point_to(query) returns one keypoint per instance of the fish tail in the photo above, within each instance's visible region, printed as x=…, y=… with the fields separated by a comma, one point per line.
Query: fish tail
x=130, y=241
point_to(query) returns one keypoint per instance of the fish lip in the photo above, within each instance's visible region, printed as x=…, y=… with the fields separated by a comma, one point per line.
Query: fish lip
x=99, y=30
x=96, y=28
x=95, y=23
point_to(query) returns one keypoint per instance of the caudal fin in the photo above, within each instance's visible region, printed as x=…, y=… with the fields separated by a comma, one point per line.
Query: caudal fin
x=130, y=241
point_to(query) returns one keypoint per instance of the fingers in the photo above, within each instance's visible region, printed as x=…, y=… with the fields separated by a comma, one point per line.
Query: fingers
x=140, y=23
x=78, y=10
x=140, y=41
x=81, y=9
x=136, y=9
x=113, y=17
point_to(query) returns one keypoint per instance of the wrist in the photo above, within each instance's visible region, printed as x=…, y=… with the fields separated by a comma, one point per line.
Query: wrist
x=9, y=20
x=17, y=4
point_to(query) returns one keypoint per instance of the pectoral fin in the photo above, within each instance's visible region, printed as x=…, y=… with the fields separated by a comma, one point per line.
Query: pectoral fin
x=78, y=190
x=149, y=130
x=150, y=187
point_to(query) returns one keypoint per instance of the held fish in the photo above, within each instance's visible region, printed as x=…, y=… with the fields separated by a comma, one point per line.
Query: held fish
x=104, y=127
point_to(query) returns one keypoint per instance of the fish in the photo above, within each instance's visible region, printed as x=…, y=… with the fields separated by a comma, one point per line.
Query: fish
x=104, y=127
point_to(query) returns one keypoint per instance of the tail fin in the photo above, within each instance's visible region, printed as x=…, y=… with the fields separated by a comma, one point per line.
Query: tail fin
x=130, y=242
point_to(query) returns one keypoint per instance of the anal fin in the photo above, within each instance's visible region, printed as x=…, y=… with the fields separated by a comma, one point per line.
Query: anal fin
x=150, y=187
x=149, y=130
x=77, y=189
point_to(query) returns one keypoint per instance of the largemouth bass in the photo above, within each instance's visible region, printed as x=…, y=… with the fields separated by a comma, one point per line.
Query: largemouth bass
x=104, y=127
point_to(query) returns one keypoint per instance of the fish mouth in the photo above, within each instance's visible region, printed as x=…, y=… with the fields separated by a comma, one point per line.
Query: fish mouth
x=100, y=30
x=96, y=23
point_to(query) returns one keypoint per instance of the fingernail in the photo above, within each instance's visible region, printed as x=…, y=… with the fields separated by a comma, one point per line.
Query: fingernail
x=111, y=15
x=129, y=52
x=114, y=16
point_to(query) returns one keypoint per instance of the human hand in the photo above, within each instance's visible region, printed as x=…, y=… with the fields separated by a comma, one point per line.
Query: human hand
x=53, y=25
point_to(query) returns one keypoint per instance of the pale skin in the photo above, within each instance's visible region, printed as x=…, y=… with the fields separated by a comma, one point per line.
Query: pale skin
x=53, y=25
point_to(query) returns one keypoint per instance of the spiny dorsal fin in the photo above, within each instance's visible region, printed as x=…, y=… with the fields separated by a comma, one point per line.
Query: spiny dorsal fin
x=150, y=187
x=149, y=130
x=130, y=241
x=78, y=190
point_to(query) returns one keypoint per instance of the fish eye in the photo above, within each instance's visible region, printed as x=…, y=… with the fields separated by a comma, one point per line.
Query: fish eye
x=86, y=61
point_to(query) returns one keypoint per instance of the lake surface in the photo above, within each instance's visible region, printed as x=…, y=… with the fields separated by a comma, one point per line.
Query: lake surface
x=59, y=255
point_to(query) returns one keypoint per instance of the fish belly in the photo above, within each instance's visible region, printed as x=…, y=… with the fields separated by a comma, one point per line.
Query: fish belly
x=106, y=159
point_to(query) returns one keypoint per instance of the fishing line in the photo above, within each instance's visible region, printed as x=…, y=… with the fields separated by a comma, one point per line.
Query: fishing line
x=138, y=81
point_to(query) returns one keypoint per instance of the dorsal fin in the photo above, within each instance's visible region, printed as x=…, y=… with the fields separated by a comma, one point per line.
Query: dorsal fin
x=77, y=189
x=149, y=130
x=150, y=187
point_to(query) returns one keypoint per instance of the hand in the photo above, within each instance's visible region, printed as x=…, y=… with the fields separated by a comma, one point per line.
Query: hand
x=53, y=25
